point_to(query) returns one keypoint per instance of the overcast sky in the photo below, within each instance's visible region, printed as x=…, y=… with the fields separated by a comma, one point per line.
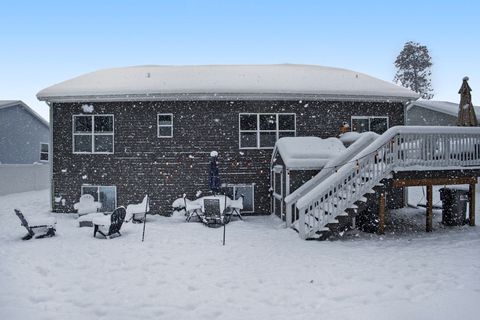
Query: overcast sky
x=46, y=42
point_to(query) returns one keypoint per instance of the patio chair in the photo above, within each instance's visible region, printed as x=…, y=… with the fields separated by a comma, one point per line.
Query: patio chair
x=235, y=207
x=192, y=209
x=86, y=205
x=212, y=216
x=109, y=225
x=47, y=224
x=137, y=212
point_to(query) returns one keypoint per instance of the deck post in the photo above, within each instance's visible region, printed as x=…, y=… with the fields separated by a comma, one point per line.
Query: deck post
x=429, y=218
x=471, y=201
x=381, y=214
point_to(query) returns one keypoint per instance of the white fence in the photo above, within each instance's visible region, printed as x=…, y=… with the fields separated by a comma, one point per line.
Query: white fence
x=23, y=177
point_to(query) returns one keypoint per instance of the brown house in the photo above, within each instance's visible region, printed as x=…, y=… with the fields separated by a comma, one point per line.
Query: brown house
x=125, y=132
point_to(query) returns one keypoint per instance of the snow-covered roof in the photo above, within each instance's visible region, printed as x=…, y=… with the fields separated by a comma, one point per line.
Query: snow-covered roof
x=308, y=152
x=445, y=107
x=12, y=103
x=223, y=82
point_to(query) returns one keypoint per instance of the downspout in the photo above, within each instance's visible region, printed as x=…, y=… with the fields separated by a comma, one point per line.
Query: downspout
x=50, y=154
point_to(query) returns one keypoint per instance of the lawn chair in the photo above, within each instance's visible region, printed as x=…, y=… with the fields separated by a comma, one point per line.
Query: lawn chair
x=212, y=216
x=192, y=209
x=236, y=206
x=137, y=212
x=42, y=223
x=109, y=225
x=86, y=205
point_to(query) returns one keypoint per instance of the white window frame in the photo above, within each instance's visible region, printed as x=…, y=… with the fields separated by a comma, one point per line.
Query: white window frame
x=235, y=185
x=164, y=125
x=369, y=120
x=258, y=131
x=93, y=133
x=42, y=152
x=98, y=190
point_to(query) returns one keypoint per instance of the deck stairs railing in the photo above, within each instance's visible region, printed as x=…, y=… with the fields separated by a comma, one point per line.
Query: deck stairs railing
x=415, y=148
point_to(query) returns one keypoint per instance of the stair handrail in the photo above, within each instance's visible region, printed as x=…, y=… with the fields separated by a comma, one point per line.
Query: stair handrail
x=397, y=147
x=361, y=143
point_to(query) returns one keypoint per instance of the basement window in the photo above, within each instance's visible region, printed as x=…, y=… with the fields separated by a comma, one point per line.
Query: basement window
x=106, y=195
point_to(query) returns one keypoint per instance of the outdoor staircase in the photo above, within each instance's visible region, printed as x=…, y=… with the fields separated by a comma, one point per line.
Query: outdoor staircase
x=331, y=204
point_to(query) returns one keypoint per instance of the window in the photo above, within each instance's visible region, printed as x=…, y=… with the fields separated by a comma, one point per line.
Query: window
x=93, y=134
x=43, y=151
x=376, y=124
x=106, y=195
x=165, y=125
x=234, y=191
x=262, y=130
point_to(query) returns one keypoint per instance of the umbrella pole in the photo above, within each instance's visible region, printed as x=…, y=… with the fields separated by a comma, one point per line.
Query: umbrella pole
x=224, y=227
x=145, y=219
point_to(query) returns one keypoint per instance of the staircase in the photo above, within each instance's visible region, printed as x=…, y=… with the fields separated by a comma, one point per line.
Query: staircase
x=342, y=192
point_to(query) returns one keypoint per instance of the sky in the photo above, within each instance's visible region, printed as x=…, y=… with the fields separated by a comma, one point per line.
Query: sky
x=47, y=42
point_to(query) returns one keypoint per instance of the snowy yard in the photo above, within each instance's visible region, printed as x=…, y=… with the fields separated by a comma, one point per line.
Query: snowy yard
x=182, y=271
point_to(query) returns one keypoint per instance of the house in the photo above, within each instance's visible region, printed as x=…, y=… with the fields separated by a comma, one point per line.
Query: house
x=122, y=133
x=433, y=113
x=24, y=135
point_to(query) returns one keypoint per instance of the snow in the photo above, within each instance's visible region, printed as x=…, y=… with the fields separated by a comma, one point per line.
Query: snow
x=87, y=108
x=445, y=107
x=214, y=154
x=308, y=152
x=350, y=137
x=223, y=82
x=182, y=271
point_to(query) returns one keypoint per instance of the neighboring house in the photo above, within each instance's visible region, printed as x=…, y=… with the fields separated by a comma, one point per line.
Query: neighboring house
x=24, y=135
x=434, y=113
x=125, y=132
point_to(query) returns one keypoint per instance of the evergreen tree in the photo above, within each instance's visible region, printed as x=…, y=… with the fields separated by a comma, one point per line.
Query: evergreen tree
x=413, y=69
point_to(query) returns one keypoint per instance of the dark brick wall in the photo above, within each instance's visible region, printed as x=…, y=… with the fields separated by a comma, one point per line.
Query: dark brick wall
x=166, y=168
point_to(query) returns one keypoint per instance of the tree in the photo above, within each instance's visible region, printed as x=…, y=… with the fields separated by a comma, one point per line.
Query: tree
x=413, y=69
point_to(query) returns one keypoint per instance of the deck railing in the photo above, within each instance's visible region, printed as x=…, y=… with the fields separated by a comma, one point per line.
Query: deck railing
x=417, y=148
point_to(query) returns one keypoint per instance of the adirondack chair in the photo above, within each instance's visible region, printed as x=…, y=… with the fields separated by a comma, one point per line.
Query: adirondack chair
x=235, y=206
x=137, y=212
x=212, y=216
x=109, y=225
x=41, y=223
x=86, y=205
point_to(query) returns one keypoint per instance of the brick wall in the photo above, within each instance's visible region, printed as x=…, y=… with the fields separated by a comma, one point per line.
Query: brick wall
x=166, y=168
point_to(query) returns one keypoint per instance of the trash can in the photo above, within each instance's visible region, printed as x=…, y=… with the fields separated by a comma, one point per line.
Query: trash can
x=454, y=206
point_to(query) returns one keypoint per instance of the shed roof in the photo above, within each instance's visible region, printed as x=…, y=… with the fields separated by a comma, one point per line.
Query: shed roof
x=308, y=152
x=224, y=82
x=12, y=103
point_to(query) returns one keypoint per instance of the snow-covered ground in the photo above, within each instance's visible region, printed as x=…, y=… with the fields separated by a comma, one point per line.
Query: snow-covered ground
x=182, y=271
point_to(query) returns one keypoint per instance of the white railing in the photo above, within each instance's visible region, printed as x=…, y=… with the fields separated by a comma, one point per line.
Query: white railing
x=330, y=167
x=418, y=148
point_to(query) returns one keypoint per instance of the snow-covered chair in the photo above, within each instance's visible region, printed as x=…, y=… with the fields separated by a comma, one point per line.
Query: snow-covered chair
x=87, y=204
x=212, y=216
x=192, y=208
x=47, y=224
x=137, y=212
x=236, y=206
x=110, y=224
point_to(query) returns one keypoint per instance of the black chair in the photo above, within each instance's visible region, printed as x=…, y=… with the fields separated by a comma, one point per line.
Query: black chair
x=212, y=216
x=115, y=223
x=38, y=223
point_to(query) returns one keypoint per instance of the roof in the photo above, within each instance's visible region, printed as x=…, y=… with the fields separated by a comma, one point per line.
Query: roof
x=308, y=152
x=445, y=107
x=12, y=103
x=223, y=82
